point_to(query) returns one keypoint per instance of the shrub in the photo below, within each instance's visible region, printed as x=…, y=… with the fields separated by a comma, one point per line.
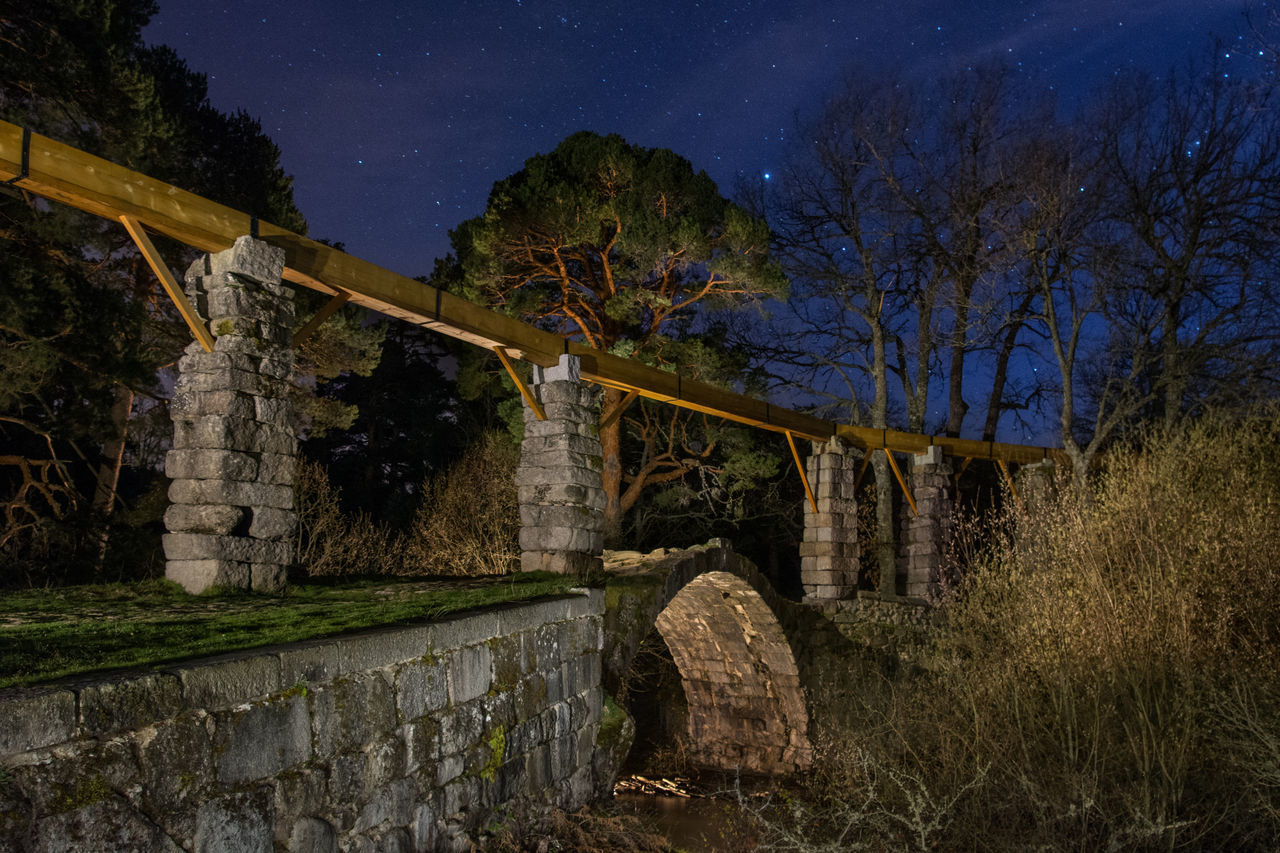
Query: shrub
x=331, y=542
x=1106, y=678
x=469, y=520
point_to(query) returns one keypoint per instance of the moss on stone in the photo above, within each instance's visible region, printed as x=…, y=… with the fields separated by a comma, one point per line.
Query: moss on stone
x=88, y=791
x=497, y=746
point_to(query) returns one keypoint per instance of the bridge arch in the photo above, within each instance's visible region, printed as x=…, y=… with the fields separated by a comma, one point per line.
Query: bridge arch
x=737, y=643
x=746, y=706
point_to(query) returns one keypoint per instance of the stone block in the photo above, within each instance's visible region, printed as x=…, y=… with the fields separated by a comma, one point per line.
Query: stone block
x=313, y=835
x=561, y=539
x=221, y=682
x=382, y=648
x=202, y=546
x=196, y=576
x=470, y=673
x=459, y=631
x=314, y=661
x=271, y=523
x=567, y=369
x=268, y=577
x=561, y=516
x=421, y=687
x=247, y=258
x=560, y=562
x=261, y=740
x=351, y=712
x=278, y=412
x=210, y=464
x=233, y=493
x=128, y=702
x=106, y=824
x=214, y=519
x=277, y=468
x=571, y=442
x=192, y=404
x=592, y=497
x=558, y=475
x=35, y=718
x=240, y=822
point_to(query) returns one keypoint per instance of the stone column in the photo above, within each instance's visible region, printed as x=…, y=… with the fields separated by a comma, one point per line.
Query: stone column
x=829, y=552
x=924, y=535
x=232, y=522
x=1035, y=481
x=560, y=491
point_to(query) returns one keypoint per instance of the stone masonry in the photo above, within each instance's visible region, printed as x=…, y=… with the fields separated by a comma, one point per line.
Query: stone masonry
x=829, y=552
x=924, y=536
x=398, y=739
x=560, y=492
x=232, y=520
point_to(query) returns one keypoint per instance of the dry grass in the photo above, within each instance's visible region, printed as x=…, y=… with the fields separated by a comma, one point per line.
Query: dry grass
x=1108, y=678
x=469, y=521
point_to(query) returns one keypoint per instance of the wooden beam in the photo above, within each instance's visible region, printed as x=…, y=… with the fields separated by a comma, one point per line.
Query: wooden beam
x=524, y=389
x=65, y=174
x=901, y=482
x=168, y=282
x=623, y=405
x=327, y=311
x=804, y=478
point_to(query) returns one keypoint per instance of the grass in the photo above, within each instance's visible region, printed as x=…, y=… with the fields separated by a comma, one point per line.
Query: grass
x=52, y=633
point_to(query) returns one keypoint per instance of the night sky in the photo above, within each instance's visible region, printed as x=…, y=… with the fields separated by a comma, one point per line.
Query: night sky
x=396, y=118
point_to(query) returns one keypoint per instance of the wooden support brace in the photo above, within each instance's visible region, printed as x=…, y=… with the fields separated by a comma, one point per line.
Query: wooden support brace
x=964, y=464
x=804, y=478
x=524, y=389
x=623, y=405
x=1008, y=478
x=323, y=314
x=862, y=469
x=901, y=482
x=168, y=282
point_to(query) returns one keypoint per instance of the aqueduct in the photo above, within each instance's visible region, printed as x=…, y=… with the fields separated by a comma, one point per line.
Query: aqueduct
x=232, y=515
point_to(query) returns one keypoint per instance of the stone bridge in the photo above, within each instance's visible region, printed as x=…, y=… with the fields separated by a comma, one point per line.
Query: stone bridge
x=758, y=670
x=761, y=674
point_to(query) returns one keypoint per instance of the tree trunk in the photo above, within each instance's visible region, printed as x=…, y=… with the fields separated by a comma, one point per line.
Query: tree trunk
x=611, y=467
x=104, y=493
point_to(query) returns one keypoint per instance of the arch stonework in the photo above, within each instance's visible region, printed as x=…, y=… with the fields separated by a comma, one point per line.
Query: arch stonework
x=746, y=707
x=749, y=696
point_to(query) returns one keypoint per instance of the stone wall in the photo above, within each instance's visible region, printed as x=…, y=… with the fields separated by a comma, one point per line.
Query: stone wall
x=391, y=740
x=231, y=522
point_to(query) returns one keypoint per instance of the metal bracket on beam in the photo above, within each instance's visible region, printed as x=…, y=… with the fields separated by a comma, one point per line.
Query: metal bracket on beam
x=804, y=478
x=168, y=282
x=524, y=389
x=623, y=405
x=901, y=482
x=327, y=311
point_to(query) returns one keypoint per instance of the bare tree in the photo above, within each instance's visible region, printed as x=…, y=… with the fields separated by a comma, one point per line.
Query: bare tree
x=1191, y=173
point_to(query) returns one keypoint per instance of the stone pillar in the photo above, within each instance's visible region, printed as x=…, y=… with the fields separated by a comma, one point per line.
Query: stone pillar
x=924, y=535
x=232, y=522
x=560, y=491
x=1035, y=481
x=829, y=552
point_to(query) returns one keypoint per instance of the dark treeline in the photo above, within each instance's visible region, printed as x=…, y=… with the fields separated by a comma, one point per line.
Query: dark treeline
x=960, y=257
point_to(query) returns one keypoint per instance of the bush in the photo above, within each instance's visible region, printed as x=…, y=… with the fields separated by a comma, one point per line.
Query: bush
x=469, y=522
x=331, y=542
x=1107, y=675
